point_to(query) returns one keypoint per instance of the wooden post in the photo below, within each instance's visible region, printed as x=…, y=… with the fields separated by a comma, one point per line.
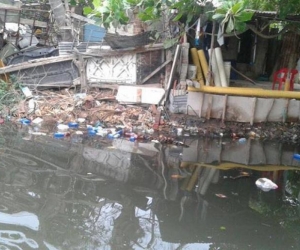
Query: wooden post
x=285, y=110
x=210, y=100
x=224, y=108
x=82, y=69
x=155, y=71
x=253, y=110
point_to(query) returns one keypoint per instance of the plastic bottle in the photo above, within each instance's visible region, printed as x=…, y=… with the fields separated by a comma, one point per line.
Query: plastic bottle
x=242, y=140
x=92, y=132
x=25, y=121
x=59, y=135
x=73, y=125
x=296, y=157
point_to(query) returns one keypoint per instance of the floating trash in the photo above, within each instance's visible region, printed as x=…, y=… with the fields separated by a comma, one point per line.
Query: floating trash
x=59, y=135
x=25, y=121
x=221, y=196
x=62, y=127
x=265, y=184
x=73, y=125
x=296, y=157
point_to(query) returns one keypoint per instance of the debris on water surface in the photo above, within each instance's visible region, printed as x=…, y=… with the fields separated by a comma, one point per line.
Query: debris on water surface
x=221, y=196
x=265, y=184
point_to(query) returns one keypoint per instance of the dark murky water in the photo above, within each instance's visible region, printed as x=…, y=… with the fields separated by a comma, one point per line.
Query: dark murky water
x=122, y=195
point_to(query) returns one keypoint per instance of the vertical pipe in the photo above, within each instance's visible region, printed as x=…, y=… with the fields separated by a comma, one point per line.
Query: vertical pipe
x=221, y=68
x=196, y=61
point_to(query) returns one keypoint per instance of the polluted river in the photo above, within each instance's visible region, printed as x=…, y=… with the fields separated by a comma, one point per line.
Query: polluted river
x=92, y=193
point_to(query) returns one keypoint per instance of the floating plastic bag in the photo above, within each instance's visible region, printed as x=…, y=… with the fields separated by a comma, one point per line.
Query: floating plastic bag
x=265, y=184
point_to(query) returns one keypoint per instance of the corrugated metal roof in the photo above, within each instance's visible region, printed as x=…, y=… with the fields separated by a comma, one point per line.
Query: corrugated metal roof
x=275, y=15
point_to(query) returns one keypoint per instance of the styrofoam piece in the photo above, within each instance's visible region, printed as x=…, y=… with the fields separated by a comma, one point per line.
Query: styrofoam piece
x=37, y=120
x=27, y=41
x=133, y=94
x=62, y=127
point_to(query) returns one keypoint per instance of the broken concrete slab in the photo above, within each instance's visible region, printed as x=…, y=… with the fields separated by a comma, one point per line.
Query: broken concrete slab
x=136, y=94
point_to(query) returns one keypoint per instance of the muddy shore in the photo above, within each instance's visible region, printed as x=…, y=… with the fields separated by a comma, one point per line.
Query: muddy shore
x=100, y=109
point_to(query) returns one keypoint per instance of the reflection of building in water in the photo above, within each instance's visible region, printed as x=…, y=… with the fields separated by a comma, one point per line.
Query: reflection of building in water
x=111, y=205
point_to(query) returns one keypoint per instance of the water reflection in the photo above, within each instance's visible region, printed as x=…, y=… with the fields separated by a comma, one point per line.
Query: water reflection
x=120, y=195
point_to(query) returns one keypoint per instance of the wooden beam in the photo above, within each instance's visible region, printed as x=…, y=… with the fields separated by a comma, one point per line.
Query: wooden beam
x=155, y=71
x=253, y=111
x=82, y=18
x=34, y=63
x=31, y=22
x=98, y=52
x=9, y=7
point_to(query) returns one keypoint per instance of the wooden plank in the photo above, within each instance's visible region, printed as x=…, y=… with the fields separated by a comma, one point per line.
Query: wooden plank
x=35, y=22
x=155, y=71
x=9, y=7
x=82, y=18
x=4, y=77
x=34, y=63
x=172, y=73
x=99, y=52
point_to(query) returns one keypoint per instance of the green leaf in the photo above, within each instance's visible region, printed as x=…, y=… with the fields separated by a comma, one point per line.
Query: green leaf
x=240, y=26
x=87, y=10
x=73, y=2
x=144, y=17
x=189, y=17
x=102, y=9
x=237, y=7
x=177, y=17
x=244, y=16
x=218, y=16
x=170, y=42
x=230, y=26
x=221, y=11
x=97, y=3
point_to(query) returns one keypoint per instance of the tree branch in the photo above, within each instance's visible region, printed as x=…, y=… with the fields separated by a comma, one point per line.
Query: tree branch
x=252, y=28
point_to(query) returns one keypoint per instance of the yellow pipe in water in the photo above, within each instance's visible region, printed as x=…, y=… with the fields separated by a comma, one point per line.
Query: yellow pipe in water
x=255, y=92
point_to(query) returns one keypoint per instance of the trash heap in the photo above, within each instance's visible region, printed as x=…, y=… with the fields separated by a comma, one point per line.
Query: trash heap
x=66, y=114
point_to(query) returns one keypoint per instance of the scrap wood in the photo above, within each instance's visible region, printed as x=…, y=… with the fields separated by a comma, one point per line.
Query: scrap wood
x=241, y=74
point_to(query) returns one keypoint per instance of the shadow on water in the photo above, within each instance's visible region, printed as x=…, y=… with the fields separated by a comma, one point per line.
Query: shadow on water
x=58, y=194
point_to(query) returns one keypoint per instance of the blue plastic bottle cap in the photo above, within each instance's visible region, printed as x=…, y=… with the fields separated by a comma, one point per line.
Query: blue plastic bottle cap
x=296, y=157
x=59, y=135
x=91, y=132
x=242, y=140
x=73, y=125
x=24, y=121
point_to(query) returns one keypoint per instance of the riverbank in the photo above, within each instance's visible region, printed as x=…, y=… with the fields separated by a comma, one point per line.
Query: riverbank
x=99, y=108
